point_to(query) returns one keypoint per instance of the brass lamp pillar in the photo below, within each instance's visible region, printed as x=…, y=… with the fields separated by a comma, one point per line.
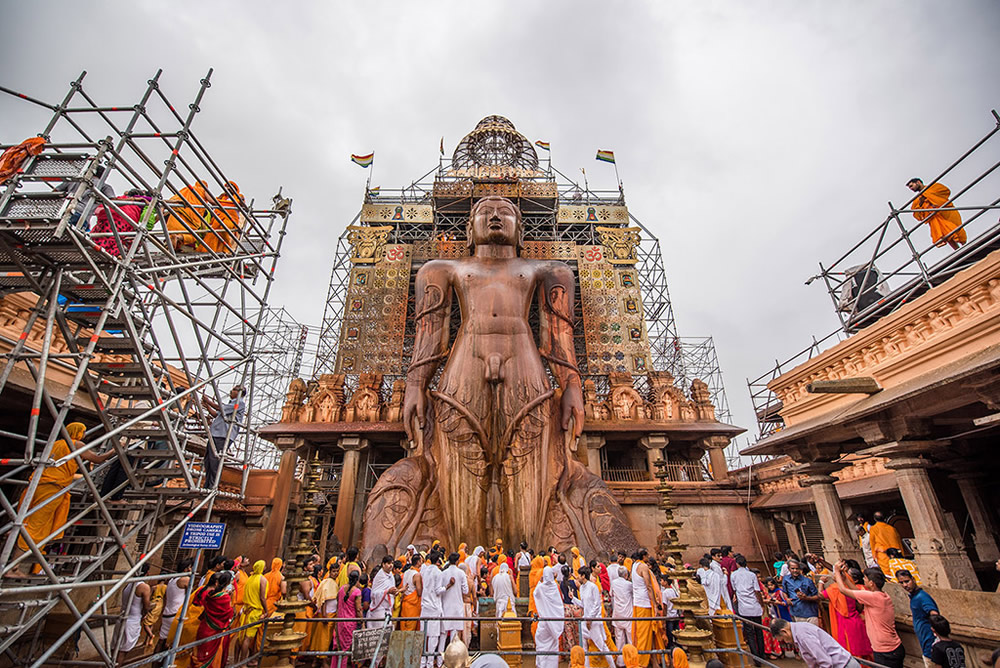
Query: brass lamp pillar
x=692, y=639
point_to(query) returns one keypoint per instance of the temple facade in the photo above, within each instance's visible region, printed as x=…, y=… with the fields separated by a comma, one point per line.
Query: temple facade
x=640, y=404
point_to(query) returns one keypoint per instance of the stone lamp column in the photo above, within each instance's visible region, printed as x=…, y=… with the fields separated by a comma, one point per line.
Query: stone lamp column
x=287, y=641
x=692, y=639
x=979, y=514
x=343, y=524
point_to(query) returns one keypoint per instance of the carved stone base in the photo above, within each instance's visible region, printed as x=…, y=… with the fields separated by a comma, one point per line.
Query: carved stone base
x=947, y=570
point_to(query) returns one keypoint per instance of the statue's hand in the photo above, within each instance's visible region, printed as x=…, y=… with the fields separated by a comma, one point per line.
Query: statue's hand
x=572, y=407
x=414, y=408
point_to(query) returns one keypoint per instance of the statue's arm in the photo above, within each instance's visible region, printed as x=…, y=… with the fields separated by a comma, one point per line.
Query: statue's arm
x=555, y=296
x=430, y=346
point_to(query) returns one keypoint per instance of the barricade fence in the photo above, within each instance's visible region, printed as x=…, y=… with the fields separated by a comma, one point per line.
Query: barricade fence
x=260, y=648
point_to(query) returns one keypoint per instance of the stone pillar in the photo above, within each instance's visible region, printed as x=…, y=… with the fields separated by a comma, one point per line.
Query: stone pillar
x=939, y=553
x=979, y=514
x=592, y=444
x=343, y=523
x=794, y=538
x=716, y=446
x=282, y=496
x=837, y=541
x=654, y=444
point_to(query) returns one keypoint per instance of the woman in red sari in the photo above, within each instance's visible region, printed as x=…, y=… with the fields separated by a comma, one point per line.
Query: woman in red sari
x=217, y=616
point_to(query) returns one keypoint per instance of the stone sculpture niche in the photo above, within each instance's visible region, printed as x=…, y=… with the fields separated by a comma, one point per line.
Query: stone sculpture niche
x=493, y=441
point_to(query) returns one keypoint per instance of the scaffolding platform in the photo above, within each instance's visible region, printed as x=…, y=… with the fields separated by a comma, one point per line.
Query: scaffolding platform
x=129, y=292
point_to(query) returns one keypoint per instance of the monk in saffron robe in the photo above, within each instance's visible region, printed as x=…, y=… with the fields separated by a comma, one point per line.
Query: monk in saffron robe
x=944, y=224
x=48, y=514
x=413, y=589
x=275, y=584
x=883, y=536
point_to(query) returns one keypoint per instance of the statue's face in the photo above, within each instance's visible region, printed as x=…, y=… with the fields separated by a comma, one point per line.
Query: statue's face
x=494, y=221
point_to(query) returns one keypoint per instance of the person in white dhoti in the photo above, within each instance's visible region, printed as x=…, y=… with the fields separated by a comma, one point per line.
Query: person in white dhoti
x=136, y=599
x=456, y=584
x=715, y=586
x=430, y=609
x=621, y=607
x=383, y=591
x=549, y=603
x=502, y=588
x=590, y=600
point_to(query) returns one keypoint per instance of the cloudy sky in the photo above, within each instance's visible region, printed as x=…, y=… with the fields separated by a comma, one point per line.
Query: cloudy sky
x=754, y=138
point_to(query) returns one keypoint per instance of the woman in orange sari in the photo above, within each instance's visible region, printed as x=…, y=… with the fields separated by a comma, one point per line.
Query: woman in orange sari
x=847, y=625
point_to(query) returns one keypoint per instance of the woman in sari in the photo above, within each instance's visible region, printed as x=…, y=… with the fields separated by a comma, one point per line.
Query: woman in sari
x=348, y=606
x=325, y=600
x=254, y=600
x=847, y=625
x=217, y=615
x=276, y=585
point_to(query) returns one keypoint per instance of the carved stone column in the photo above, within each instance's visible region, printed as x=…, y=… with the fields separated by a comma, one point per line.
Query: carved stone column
x=592, y=444
x=986, y=542
x=343, y=523
x=654, y=444
x=716, y=446
x=837, y=541
x=939, y=553
x=282, y=495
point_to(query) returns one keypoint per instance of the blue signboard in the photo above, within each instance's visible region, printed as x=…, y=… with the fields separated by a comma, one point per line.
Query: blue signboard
x=203, y=535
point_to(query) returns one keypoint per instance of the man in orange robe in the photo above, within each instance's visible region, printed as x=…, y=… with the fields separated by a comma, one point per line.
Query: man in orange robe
x=883, y=536
x=944, y=224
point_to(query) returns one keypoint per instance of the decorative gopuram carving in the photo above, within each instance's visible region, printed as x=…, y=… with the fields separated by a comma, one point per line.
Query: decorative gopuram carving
x=620, y=243
x=494, y=439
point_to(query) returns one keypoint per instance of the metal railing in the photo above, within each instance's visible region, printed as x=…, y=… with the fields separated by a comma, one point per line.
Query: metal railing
x=892, y=265
x=741, y=649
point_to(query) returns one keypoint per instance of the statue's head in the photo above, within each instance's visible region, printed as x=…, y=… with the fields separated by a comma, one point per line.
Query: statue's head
x=494, y=221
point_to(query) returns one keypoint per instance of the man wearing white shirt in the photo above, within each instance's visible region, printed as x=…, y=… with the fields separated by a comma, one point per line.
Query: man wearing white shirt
x=715, y=586
x=749, y=605
x=590, y=599
x=667, y=595
x=817, y=648
x=430, y=608
x=621, y=608
x=456, y=584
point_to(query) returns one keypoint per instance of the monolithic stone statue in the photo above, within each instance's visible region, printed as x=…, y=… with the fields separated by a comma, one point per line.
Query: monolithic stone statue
x=492, y=442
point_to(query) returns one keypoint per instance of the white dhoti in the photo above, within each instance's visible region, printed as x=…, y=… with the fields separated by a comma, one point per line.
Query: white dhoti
x=547, y=640
x=594, y=632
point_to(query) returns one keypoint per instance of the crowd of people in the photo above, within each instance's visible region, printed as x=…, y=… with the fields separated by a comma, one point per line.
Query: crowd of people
x=609, y=607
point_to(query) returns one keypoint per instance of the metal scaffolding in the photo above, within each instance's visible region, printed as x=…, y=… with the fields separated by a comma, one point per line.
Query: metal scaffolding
x=686, y=359
x=147, y=322
x=897, y=261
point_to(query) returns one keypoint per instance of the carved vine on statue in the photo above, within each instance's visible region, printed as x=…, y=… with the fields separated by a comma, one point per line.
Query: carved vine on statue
x=493, y=440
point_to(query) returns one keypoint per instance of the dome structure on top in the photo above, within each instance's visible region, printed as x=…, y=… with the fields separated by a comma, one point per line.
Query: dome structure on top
x=494, y=142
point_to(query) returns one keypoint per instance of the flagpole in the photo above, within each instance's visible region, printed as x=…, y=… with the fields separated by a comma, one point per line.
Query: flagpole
x=371, y=170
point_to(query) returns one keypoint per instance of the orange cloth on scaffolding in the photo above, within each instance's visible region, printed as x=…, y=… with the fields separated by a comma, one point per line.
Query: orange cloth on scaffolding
x=644, y=634
x=187, y=209
x=881, y=537
x=227, y=220
x=274, y=578
x=14, y=157
x=54, y=481
x=942, y=223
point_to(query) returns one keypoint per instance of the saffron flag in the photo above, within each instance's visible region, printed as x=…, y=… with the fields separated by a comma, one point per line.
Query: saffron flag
x=374, y=191
x=542, y=145
x=606, y=156
x=363, y=160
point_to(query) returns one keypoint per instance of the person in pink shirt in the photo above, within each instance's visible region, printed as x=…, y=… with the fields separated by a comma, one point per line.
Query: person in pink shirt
x=880, y=615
